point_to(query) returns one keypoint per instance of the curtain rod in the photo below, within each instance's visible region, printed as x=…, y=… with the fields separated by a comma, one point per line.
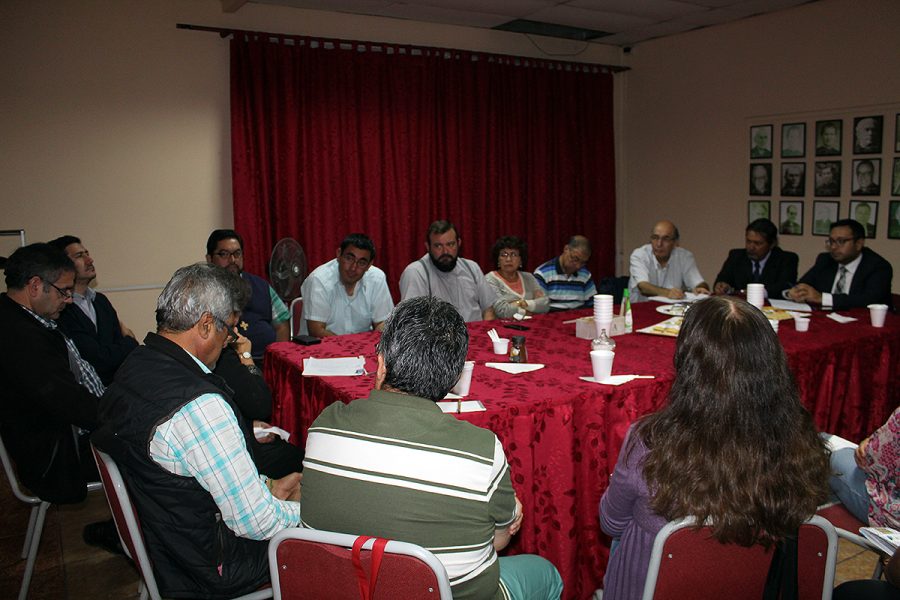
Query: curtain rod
x=225, y=32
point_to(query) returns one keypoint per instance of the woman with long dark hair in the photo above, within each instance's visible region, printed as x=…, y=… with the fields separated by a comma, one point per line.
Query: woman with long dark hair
x=733, y=445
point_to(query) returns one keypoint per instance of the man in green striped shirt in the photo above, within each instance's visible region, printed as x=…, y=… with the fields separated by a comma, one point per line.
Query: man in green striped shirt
x=394, y=466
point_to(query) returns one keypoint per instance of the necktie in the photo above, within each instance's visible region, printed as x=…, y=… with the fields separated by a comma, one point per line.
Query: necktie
x=842, y=279
x=755, y=271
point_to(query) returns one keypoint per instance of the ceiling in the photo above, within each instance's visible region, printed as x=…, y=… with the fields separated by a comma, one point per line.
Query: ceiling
x=614, y=22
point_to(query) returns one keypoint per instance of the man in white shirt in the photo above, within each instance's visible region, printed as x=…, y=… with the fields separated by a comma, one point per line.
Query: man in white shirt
x=347, y=294
x=662, y=268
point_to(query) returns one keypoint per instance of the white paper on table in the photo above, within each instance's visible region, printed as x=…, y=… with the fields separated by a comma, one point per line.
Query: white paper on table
x=520, y=316
x=334, y=367
x=885, y=538
x=841, y=318
x=790, y=305
x=261, y=432
x=515, y=368
x=462, y=407
x=688, y=297
x=617, y=379
x=452, y=396
x=836, y=442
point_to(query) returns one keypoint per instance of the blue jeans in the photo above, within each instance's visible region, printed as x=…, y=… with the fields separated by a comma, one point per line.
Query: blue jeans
x=848, y=482
x=530, y=577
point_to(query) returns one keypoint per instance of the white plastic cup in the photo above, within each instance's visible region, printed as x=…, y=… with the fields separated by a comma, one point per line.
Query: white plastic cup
x=802, y=325
x=756, y=294
x=774, y=324
x=601, y=324
x=602, y=362
x=877, y=313
x=501, y=346
x=465, y=379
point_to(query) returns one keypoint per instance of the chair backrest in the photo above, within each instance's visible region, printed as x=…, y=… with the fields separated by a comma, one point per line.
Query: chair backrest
x=296, y=311
x=125, y=518
x=685, y=560
x=312, y=564
x=13, y=478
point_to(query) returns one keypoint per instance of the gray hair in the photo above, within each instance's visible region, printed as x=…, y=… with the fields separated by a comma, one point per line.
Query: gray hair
x=579, y=242
x=195, y=290
x=424, y=345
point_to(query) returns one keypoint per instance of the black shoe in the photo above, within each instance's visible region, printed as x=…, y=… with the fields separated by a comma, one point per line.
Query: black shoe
x=103, y=535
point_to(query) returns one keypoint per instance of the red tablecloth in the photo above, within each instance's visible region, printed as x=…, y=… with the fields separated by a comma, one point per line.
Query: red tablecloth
x=562, y=435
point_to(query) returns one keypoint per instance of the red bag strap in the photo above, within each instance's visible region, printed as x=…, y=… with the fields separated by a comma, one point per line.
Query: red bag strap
x=367, y=585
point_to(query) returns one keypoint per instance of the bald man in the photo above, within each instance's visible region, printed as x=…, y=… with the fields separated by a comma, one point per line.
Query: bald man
x=662, y=268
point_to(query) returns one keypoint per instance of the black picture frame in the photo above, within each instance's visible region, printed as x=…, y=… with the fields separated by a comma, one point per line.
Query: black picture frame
x=827, y=178
x=865, y=178
x=825, y=212
x=761, y=141
x=793, y=179
x=793, y=140
x=870, y=224
x=790, y=217
x=829, y=137
x=759, y=185
x=758, y=209
x=897, y=133
x=894, y=220
x=867, y=134
x=895, y=182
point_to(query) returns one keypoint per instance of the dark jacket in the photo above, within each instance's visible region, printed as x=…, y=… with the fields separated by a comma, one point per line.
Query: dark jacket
x=871, y=282
x=40, y=401
x=779, y=274
x=194, y=554
x=103, y=346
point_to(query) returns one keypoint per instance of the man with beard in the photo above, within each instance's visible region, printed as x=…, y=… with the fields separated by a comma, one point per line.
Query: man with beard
x=265, y=318
x=443, y=274
x=565, y=279
x=91, y=321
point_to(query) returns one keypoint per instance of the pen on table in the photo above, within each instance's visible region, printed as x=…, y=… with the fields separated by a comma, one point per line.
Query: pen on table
x=459, y=405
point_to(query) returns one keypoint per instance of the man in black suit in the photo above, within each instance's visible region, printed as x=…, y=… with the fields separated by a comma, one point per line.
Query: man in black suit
x=849, y=275
x=759, y=261
x=44, y=383
x=91, y=321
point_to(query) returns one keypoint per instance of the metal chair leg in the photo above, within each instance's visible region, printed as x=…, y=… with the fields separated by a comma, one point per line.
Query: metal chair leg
x=33, y=549
x=30, y=530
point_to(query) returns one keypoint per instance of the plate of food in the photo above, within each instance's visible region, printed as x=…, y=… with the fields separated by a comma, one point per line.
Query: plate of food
x=673, y=310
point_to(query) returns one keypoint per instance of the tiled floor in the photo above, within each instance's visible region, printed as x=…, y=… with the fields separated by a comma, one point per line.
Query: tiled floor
x=69, y=569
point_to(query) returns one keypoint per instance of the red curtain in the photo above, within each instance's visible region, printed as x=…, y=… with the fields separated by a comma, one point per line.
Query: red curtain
x=330, y=138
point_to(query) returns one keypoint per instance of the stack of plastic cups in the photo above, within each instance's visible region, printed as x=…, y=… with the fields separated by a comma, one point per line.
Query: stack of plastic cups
x=603, y=312
x=756, y=294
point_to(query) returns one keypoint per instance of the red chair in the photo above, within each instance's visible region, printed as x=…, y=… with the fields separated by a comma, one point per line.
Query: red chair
x=689, y=563
x=307, y=564
x=129, y=528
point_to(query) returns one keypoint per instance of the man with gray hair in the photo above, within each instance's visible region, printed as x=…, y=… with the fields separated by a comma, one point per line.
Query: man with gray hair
x=425, y=477
x=178, y=438
x=565, y=279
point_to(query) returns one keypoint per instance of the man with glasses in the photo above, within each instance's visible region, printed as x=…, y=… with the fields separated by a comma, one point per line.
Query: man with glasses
x=48, y=387
x=565, y=279
x=91, y=321
x=849, y=275
x=179, y=440
x=662, y=268
x=347, y=294
x=441, y=272
x=265, y=319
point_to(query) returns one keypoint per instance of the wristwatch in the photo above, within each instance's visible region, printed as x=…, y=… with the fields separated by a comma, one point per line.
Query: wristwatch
x=246, y=355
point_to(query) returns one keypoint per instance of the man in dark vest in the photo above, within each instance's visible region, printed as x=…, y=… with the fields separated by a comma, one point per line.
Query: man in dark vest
x=179, y=440
x=265, y=319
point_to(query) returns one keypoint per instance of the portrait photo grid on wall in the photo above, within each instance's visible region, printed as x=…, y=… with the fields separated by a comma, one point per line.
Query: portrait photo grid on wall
x=827, y=178
x=866, y=213
x=825, y=212
x=828, y=137
x=790, y=217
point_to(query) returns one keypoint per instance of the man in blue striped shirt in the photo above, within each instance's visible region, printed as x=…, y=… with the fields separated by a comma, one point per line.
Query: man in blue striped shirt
x=565, y=279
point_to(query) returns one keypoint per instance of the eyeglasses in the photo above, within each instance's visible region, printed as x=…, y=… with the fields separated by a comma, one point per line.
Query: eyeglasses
x=63, y=293
x=509, y=255
x=351, y=259
x=838, y=242
x=666, y=239
x=225, y=254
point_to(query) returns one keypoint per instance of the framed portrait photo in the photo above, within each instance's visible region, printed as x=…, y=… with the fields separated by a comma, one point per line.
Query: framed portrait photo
x=825, y=212
x=758, y=209
x=827, y=178
x=793, y=179
x=894, y=219
x=761, y=141
x=897, y=133
x=793, y=140
x=790, y=217
x=760, y=179
x=865, y=212
x=828, y=137
x=895, y=182
x=867, y=134
x=866, y=177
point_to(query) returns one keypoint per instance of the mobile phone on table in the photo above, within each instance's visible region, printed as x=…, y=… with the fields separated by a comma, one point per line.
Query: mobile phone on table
x=517, y=327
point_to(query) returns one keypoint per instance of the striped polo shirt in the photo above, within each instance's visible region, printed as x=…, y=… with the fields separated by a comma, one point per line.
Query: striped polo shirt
x=565, y=291
x=395, y=466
